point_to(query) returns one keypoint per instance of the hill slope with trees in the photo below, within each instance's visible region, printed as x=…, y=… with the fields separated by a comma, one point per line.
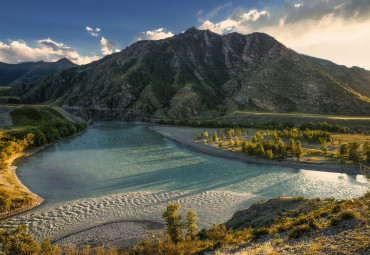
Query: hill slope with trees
x=199, y=71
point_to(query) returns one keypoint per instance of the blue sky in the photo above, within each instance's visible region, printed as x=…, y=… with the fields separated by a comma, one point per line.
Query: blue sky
x=47, y=30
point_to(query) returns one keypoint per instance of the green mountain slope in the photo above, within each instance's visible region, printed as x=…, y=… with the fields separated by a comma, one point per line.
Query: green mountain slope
x=199, y=71
x=11, y=74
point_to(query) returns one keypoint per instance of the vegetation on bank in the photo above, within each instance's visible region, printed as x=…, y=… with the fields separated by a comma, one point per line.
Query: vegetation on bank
x=33, y=126
x=245, y=124
x=304, y=144
x=290, y=230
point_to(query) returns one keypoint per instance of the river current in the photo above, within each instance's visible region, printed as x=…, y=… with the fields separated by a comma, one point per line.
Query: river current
x=123, y=171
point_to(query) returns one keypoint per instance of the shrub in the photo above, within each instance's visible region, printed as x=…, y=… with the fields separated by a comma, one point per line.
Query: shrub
x=298, y=231
x=260, y=232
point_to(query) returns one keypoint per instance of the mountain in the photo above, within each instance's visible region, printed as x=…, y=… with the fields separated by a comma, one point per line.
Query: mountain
x=11, y=74
x=198, y=72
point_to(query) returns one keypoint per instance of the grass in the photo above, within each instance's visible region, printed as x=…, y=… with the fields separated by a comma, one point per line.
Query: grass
x=298, y=118
x=303, y=115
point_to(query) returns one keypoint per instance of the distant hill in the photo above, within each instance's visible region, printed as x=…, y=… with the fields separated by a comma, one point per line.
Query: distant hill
x=199, y=71
x=11, y=74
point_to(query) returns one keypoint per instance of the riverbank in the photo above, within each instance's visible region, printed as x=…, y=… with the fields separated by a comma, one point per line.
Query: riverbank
x=10, y=180
x=186, y=137
x=119, y=235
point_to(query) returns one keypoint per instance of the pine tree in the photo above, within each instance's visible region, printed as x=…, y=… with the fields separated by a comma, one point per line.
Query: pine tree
x=245, y=147
x=191, y=219
x=323, y=145
x=205, y=134
x=173, y=222
x=237, y=142
x=354, y=151
x=231, y=142
x=220, y=144
x=344, y=150
x=255, y=139
x=215, y=136
x=260, y=151
x=299, y=150
x=366, y=151
x=269, y=154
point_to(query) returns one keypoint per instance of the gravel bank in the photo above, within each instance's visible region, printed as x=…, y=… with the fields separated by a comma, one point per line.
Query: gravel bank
x=119, y=234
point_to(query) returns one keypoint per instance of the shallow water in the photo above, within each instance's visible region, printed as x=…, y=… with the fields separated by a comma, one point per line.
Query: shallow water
x=123, y=171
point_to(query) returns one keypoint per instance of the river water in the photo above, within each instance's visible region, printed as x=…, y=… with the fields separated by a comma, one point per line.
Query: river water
x=123, y=171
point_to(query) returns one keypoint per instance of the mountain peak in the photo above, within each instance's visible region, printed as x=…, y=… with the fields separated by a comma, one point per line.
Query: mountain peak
x=64, y=61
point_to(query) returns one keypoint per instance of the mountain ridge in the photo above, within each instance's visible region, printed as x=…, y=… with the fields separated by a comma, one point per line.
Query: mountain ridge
x=26, y=72
x=199, y=71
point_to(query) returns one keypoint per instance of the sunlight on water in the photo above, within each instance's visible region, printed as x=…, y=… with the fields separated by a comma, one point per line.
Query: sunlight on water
x=120, y=171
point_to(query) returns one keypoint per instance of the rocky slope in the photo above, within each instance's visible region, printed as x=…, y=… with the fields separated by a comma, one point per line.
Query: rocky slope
x=200, y=71
x=11, y=74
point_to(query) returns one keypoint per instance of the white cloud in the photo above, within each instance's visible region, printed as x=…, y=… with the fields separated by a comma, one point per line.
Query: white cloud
x=108, y=47
x=335, y=30
x=157, y=34
x=47, y=50
x=92, y=31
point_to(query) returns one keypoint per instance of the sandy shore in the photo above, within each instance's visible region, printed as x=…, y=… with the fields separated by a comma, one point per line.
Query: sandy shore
x=186, y=136
x=119, y=235
x=37, y=200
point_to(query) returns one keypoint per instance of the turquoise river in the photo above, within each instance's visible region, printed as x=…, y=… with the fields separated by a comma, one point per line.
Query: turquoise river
x=122, y=171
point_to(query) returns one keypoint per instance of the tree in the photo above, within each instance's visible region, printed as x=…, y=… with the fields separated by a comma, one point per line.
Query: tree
x=323, y=145
x=239, y=133
x=173, y=222
x=354, y=151
x=205, y=134
x=200, y=135
x=191, y=219
x=48, y=249
x=220, y=144
x=366, y=151
x=215, y=136
x=255, y=139
x=260, y=151
x=299, y=150
x=18, y=242
x=231, y=142
x=223, y=137
x=344, y=150
x=269, y=154
x=245, y=147
x=237, y=142
x=291, y=147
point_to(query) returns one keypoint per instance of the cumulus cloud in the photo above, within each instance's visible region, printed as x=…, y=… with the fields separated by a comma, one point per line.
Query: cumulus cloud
x=92, y=31
x=335, y=30
x=157, y=34
x=46, y=50
x=108, y=47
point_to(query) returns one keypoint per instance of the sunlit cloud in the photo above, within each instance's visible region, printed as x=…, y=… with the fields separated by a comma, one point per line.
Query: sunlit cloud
x=47, y=50
x=108, y=47
x=157, y=34
x=92, y=31
x=336, y=30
